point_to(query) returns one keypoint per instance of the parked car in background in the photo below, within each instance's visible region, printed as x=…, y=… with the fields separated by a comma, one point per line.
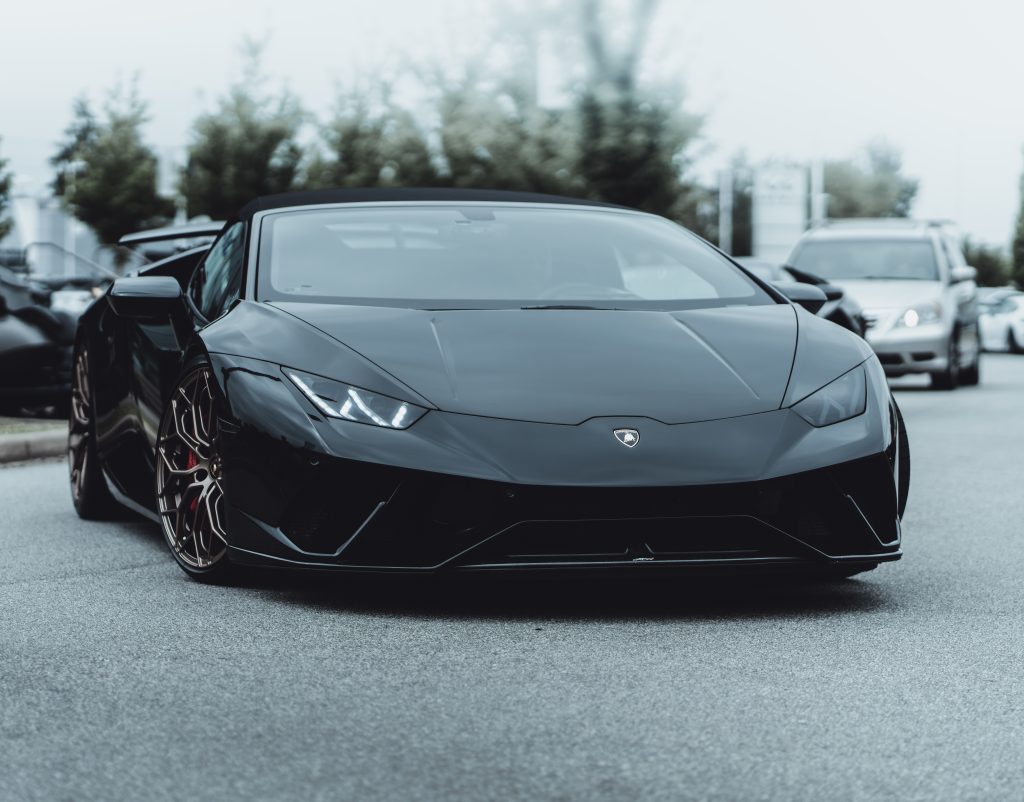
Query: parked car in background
x=840, y=308
x=35, y=347
x=37, y=326
x=918, y=293
x=1002, y=323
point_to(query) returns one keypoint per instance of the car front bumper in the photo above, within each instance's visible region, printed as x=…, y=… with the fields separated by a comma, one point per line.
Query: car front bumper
x=903, y=351
x=460, y=492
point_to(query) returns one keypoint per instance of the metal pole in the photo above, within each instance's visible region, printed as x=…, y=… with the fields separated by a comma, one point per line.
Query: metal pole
x=725, y=204
x=818, y=196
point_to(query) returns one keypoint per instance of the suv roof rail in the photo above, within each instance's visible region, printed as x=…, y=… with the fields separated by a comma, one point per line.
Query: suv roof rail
x=876, y=222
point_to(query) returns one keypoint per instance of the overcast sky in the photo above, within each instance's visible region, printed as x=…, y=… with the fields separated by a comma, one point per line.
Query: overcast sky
x=787, y=78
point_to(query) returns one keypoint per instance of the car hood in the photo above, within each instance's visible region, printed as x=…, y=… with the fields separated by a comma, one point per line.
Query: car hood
x=567, y=366
x=889, y=294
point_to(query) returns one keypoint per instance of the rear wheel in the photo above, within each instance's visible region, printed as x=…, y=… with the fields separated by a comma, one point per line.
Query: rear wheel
x=190, y=497
x=89, y=491
x=1012, y=344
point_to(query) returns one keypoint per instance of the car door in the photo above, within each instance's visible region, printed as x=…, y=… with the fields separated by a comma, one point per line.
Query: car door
x=131, y=363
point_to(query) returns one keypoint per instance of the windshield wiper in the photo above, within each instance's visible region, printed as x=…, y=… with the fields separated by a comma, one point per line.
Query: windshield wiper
x=572, y=306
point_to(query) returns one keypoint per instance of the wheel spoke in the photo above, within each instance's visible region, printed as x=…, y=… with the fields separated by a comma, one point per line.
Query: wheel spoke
x=189, y=492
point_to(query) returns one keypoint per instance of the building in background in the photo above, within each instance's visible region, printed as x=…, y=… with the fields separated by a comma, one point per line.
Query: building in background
x=51, y=242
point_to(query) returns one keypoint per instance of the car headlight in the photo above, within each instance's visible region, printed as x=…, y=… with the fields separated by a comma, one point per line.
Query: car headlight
x=920, y=314
x=338, y=400
x=842, y=399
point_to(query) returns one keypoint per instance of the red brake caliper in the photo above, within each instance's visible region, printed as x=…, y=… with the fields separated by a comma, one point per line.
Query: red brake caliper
x=191, y=462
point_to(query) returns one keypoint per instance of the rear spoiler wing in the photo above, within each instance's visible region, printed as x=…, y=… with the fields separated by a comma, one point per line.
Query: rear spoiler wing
x=187, y=231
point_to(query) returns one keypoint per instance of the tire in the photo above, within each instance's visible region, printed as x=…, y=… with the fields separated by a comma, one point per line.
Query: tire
x=189, y=494
x=949, y=378
x=971, y=377
x=902, y=462
x=1012, y=345
x=89, y=492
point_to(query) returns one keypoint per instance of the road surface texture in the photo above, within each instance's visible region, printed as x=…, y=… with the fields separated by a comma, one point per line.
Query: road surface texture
x=121, y=679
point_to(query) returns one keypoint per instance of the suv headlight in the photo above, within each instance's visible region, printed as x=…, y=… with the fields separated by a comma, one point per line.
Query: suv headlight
x=920, y=314
x=338, y=400
x=842, y=399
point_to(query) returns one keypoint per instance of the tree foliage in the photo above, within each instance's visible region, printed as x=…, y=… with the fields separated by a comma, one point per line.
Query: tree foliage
x=614, y=140
x=870, y=186
x=245, y=148
x=371, y=142
x=633, y=142
x=1017, y=247
x=991, y=263
x=106, y=173
x=5, y=191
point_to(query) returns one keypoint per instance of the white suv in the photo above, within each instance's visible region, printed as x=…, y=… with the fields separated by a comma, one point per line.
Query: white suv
x=918, y=293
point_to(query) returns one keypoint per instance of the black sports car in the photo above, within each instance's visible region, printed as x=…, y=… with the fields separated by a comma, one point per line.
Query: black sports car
x=431, y=380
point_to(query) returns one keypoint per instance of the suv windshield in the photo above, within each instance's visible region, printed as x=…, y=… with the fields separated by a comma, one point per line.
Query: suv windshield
x=897, y=259
x=491, y=256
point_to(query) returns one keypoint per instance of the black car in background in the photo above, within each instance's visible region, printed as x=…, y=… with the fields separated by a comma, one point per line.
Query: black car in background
x=840, y=308
x=39, y=313
x=37, y=327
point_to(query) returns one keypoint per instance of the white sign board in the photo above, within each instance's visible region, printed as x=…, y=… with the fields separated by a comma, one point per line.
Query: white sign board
x=779, y=213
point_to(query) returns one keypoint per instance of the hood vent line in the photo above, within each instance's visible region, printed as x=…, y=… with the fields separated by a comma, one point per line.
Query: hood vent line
x=725, y=363
x=446, y=360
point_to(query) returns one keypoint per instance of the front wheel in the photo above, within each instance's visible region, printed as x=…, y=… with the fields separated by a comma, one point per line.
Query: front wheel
x=1013, y=345
x=949, y=379
x=189, y=490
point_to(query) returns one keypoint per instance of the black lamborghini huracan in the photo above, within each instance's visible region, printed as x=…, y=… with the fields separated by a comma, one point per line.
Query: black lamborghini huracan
x=430, y=380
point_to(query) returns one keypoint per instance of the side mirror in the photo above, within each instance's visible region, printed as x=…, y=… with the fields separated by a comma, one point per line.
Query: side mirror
x=808, y=296
x=145, y=297
x=962, y=273
x=832, y=292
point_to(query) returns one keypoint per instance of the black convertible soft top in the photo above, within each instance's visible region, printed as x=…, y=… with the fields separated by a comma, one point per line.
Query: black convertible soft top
x=384, y=195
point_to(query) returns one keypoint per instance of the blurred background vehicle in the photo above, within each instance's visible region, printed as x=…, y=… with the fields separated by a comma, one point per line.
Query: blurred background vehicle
x=38, y=315
x=918, y=293
x=840, y=308
x=1002, y=322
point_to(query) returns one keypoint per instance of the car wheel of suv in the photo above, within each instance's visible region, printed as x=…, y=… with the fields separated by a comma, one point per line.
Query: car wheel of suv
x=1012, y=345
x=971, y=377
x=949, y=378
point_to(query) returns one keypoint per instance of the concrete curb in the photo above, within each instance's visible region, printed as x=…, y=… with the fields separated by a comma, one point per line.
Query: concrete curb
x=33, y=445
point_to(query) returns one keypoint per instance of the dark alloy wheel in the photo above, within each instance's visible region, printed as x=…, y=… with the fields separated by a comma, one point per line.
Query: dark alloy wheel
x=89, y=491
x=190, y=496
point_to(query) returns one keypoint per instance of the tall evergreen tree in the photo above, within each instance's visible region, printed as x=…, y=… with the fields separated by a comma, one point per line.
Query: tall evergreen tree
x=247, y=147
x=870, y=186
x=634, y=143
x=106, y=173
x=1017, y=247
x=370, y=141
x=5, y=192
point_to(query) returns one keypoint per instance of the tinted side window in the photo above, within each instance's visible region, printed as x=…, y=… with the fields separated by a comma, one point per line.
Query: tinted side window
x=218, y=281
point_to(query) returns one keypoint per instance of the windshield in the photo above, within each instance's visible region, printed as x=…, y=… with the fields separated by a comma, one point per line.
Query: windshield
x=897, y=259
x=492, y=256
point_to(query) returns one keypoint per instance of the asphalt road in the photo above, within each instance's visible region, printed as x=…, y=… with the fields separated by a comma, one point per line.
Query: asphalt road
x=121, y=679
